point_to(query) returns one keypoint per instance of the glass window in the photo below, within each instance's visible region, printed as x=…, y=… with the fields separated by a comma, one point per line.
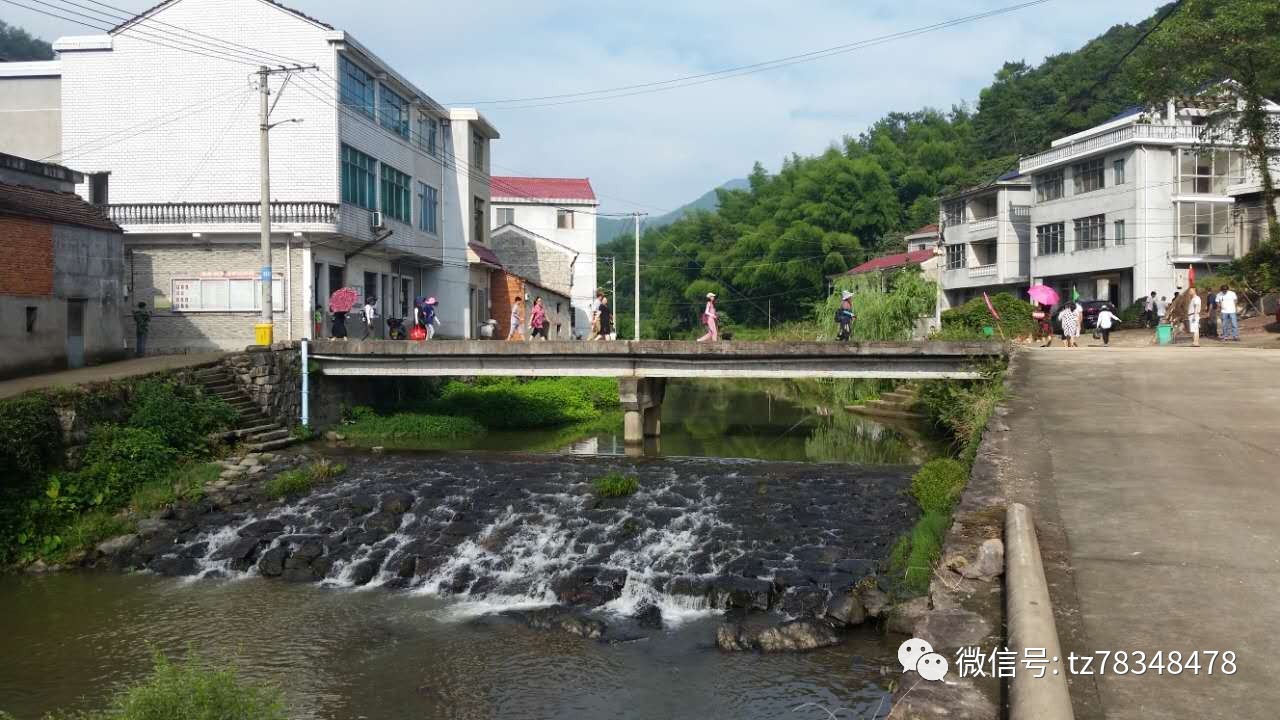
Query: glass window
x=433, y=136
x=478, y=220
x=506, y=216
x=1091, y=232
x=1209, y=172
x=1117, y=172
x=477, y=152
x=1204, y=228
x=394, y=113
x=955, y=257
x=358, y=186
x=954, y=213
x=1119, y=235
x=395, y=194
x=1048, y=186
x=1087, y=176
x=224, y=294
x=1049, y=239
x=564, y=219
x=356, y=86
x=428, y=208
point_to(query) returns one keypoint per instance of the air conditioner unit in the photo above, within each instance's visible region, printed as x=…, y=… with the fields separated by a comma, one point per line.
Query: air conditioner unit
x=375, y=220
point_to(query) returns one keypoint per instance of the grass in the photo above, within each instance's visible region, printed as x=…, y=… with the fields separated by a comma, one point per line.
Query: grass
x=300, y=481
x=615, y=484
x=914, y=555
x=366, y=427
x=511, y=404
x=185, y=485
x=85, y=532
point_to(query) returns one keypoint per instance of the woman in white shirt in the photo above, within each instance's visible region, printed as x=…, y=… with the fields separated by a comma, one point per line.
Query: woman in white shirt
x=1193, y=317
x=1106, y=321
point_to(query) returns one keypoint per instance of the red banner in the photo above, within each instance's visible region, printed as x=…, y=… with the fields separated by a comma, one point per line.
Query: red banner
x=991, y=307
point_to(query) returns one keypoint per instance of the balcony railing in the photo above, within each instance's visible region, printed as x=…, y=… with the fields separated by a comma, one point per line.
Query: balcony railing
x=984, y=226
x=1137, y=131
x=222, y=213
x=978, y=271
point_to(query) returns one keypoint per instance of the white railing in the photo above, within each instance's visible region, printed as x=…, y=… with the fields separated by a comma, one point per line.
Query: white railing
x=1137, y=131
x=985, y=226
x=978, y=271
x=222, y=213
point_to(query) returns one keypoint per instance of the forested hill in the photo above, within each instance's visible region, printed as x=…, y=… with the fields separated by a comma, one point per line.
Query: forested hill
x=778, y=239
x=17, y=44
x=608, y=228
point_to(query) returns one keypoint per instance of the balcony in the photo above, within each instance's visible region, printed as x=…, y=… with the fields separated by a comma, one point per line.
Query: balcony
x=984, y=228
x=222, y=213
x=1137, y=132
x=981, y=271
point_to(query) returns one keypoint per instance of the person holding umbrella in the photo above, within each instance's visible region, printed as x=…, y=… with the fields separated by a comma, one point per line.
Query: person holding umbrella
x=340, y=303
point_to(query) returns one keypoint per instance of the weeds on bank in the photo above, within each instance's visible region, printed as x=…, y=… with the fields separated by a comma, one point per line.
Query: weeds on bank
x=615, y=484
x=300, y=481
x=366, y=427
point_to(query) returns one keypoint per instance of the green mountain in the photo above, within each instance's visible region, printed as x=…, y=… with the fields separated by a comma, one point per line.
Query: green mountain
x=608, y=228
x=17, y=44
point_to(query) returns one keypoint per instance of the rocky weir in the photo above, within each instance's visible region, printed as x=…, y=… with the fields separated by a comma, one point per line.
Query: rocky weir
x=798, y=541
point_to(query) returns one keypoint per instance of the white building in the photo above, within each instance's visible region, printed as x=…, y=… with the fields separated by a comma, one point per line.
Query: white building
x=984, y=240
x=1127, y=207
x=373, y=183
x=562, y=210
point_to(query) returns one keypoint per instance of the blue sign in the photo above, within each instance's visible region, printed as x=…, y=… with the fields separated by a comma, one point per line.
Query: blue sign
x=266, y=274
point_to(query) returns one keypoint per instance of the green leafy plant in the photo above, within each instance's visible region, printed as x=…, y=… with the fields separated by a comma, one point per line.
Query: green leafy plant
x=937, y=485
x=967, y=320
x=300, y=481
x=615, y=484
x=913, y=557
x=182, y=416
x=367, y=427
x=887, y=305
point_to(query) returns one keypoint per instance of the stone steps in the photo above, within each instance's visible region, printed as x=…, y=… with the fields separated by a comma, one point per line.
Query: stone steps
x=276, y=433
x=271, y=445
x=259, y=432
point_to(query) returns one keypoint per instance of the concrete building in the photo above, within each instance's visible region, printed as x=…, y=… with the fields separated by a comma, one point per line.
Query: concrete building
x=562, y=210
x=543, y=268
x=374, y=184
x=985, y=240
x=1127, y=207
x=61, y=283
x=31, y=109
x=925, y=238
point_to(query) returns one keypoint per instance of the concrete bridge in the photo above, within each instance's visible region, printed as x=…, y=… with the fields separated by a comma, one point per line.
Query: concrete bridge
x=642, y=367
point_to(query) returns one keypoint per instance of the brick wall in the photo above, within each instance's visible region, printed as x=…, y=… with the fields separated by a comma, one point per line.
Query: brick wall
x=504, y=288
x=28, y=263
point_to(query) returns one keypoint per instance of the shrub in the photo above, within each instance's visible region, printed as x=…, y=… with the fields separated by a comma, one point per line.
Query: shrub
x=937, y=485
x=31, y=449
x=367, y=427
x=912, y=559
x=194, y=690
x=615, y=484
x=186, y=484
x=882, y=315
x=181, y=415
x=301, y=481
x=961, y=410
x=512, y=405
x=119, y=459
x=971, y=317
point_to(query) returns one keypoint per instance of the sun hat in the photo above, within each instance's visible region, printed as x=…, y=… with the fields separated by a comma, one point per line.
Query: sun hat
x=845, y=294
x=431, y=300
x=711, y=296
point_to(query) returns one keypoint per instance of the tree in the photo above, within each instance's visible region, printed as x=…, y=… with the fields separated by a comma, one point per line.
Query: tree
x=17, y=44
x=1232, y=45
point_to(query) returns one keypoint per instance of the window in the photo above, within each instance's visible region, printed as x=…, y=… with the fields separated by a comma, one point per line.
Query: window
x=1204, y=228
x=955, y=257
x=954, y=213
x=477, y=152
x=31, y=318
x=1087, y=176
x=1117, y=172
x=1119, y=235
x=394, y=113
x=428, y=208
x=1091, y=232
x=98, y=188
x=1049, y=240
x=428, y=133
x=370, y=285
x=356, y=87
x=224, y=294
x=506, y=216
x=395, y=194
x=358, y=187
x=1048, y=186
x=477, y=220
x=1209, y=172
x=564, y=219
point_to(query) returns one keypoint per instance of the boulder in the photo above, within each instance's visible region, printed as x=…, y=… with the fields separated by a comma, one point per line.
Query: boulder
x=397, y=503
x=740, y=592
x=989, y=563
x=846, y=609
x=804, y=601
x=563, y=619
x=874, y=600
x=238, y=549
x=260, y=528
x=953, y=628
x=385, y=521
x=173, y=566
x=271, y=564
x=361, y=504
x=903, y=617
x=792, y=636
x=649, y=616
x=308, y=551
x=150, y=527
x=117, y=545
x=362, y=572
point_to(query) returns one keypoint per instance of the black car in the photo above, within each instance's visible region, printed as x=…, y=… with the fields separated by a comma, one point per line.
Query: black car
x=1091, y=310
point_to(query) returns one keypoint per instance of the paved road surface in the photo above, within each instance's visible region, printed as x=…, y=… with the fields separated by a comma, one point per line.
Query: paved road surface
x=1156, y=474
x=108, y=371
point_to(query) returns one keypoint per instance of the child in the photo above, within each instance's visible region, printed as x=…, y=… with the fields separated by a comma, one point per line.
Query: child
x=1106, y=321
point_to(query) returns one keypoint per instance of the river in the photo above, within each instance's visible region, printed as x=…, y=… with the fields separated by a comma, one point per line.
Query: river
x=753, y=481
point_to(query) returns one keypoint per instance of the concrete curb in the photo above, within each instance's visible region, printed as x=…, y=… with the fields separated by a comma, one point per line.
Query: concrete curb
x=1030, y=621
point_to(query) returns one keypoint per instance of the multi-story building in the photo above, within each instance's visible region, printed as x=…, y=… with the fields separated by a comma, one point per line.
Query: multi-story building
x=562, y=210
x=985, y=240
x=1126, y=208
x=374, y=184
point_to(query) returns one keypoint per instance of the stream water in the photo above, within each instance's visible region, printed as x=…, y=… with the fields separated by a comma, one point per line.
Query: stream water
x=387, y=595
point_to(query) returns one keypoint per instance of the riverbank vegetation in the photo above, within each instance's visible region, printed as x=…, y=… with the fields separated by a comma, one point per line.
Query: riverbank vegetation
x=144, y=443
x=300, y=481
x=615, y=484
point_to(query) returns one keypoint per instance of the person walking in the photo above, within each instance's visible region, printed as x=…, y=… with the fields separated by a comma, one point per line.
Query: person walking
x=317, y=319
x=844, y=316
x=1230, y=318
x=1044, y=323
x=605, y=314
x=538, y=320
x=1107, y=321
x=1149, y=311
x=1214, y=319
x=1193, y=316
x=514, y=331
x=142, y=324
x=430, y=318
x=1162, y=309
x=709, y=318
x=338, y=331
x=367, y=315
x=1069, y=320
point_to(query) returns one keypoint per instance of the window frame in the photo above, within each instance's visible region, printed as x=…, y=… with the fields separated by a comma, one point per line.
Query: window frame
x=183, y=289
x=396, y=189
x=389, y=102
x=564, y=219
x=350, y=186
x=957, y=256
x=348, y=96
x=1119, y=176
x=508, y=212
x=1090, y=232
x=1216, y=212
x=1051, y=239
x=1088, y=176
x=1217, y=180
x=428, y=208
x=1119, y=233
x=1048, y=182
x=953, y=213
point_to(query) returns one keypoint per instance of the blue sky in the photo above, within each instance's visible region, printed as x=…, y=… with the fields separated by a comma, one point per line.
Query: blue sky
x=653, y=152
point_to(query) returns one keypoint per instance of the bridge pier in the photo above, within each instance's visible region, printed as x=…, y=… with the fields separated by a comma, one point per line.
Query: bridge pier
x=641, y=408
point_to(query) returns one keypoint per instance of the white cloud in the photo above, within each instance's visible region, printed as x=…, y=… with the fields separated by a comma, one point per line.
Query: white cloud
x=665, y=148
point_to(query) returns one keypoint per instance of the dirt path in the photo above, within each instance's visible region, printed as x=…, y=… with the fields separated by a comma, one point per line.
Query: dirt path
x=109, y=371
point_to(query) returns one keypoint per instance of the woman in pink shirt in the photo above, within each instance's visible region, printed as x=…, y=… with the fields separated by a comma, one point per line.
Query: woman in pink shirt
x=538, y=320
x=709, y=319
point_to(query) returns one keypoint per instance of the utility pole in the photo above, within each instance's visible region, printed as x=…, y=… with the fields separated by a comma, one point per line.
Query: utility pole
x=613, y=285
x=262, y=331
x=636, y=333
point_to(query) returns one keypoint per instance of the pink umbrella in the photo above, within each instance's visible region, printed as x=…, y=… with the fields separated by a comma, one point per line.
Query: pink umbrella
x=1043, y=294
x=343, y=299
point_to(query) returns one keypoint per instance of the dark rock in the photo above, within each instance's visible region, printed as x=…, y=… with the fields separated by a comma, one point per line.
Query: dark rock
x=688, y=585
x=117, y=545
x=149, y=527
x=746, y=566
x=362, y=572
x=873, y=600
x=649, y=616
x=837, y=581
x=461, y=528
x=174, y=566
x=563, y=619
x=259, y=528
x=846, y=609
x=271, y=564
x=784, y=579
x=825, y=554
x=461, y=580
x=952, y=628
x=804, y=601
x=734, y=638
x=361, y=504
x=158, y=544
x=308, y=551
x=856, y=568
x=738, y=592
x=239, y=549
x=383, y=521
x=303, y=573
x=792, y=636
x=195, y=550
x=321, y=566
x=405, y=565
x=427, y=565
x=397, y=503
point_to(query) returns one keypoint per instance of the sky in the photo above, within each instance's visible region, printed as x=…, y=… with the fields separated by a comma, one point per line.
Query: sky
x=655, y=151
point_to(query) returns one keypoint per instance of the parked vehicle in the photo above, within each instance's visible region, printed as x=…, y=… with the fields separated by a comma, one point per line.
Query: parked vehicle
x=1091, y=310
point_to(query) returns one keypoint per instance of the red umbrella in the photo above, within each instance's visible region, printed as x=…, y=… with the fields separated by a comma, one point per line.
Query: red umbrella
x=343, y=299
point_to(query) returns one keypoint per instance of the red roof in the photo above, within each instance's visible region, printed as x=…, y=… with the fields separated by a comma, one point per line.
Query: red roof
x=542, y=188
x=60, y=208
x=888, y=262
x=926, y=230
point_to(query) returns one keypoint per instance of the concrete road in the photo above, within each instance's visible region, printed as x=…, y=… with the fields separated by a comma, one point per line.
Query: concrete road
x=1157, y=476
x=107, y=371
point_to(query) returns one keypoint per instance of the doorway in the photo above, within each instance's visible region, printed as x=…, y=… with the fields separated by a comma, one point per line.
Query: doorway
x=75, y=333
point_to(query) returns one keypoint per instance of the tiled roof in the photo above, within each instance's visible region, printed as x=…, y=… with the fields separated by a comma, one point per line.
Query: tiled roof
x=56, y=207
x=154, y=8
x=888, y=262
x=485, y=254
x=926, y=230
x=542, y=188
